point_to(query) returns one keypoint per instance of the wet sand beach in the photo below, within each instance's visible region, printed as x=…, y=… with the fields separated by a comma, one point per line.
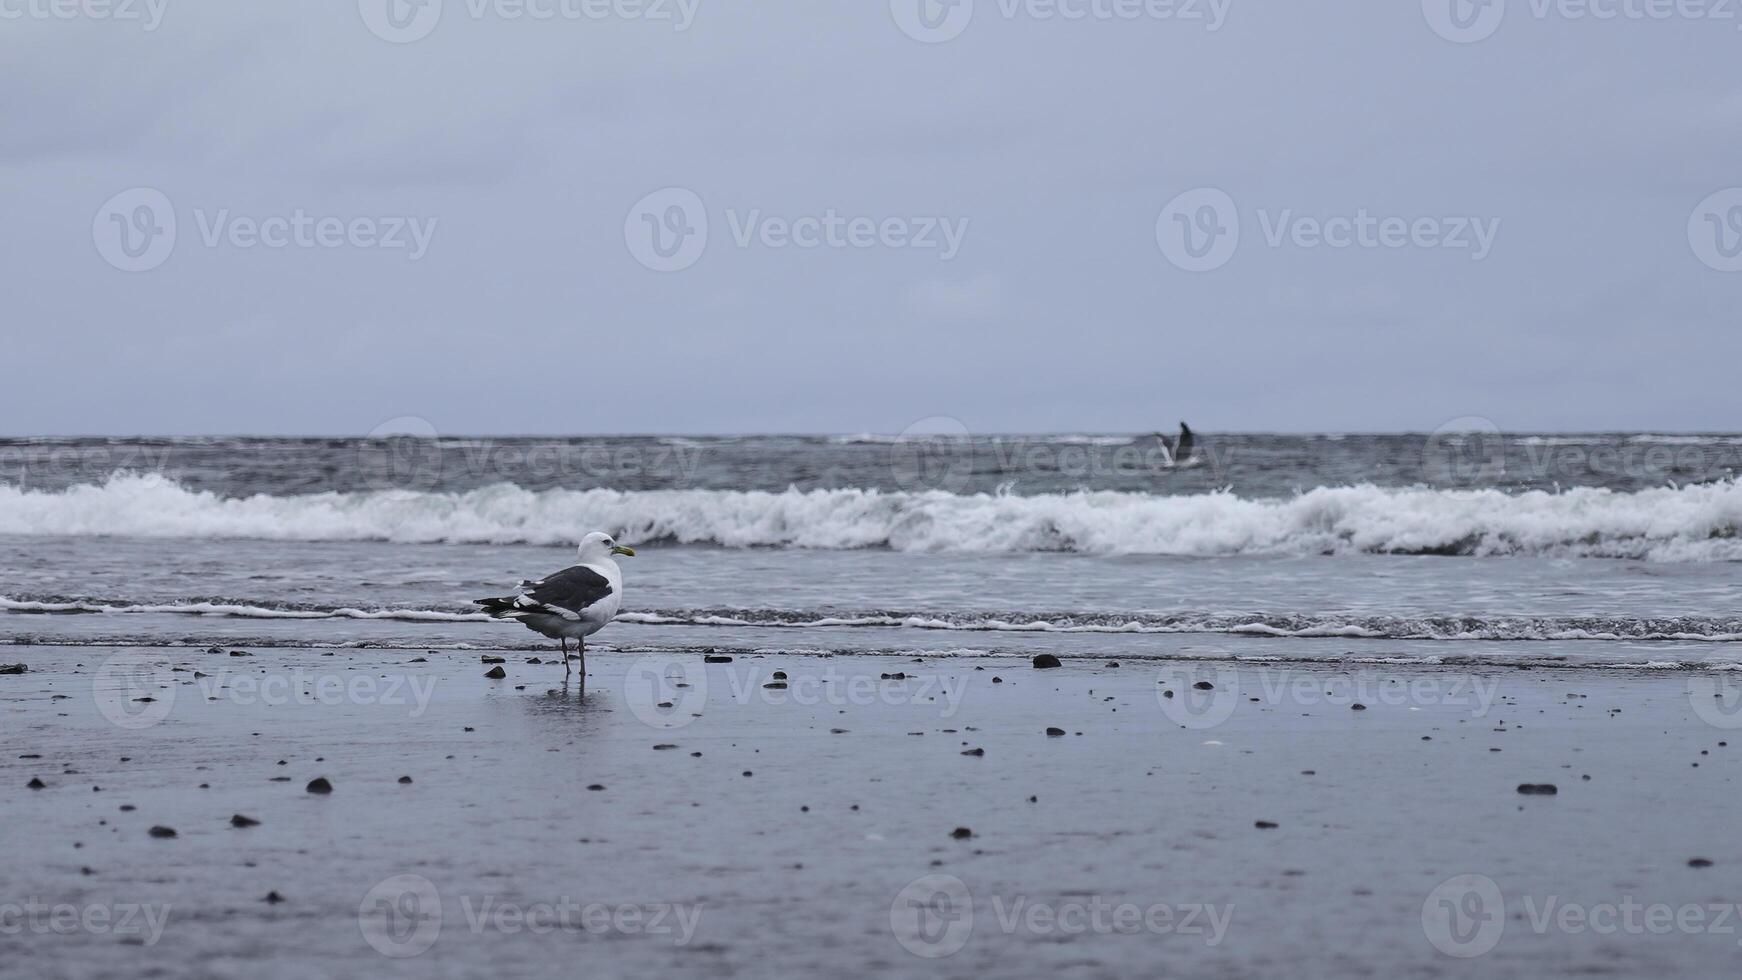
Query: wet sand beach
x=859, y=815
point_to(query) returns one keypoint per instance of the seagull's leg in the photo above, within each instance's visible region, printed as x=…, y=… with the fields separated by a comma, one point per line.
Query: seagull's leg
x=565, y=643
x=581, y=654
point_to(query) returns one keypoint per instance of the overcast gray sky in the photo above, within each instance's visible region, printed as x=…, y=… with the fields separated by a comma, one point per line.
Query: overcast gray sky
x=495, y=221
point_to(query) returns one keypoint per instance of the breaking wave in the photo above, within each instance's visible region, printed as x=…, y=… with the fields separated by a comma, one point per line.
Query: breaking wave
x=1672, y=524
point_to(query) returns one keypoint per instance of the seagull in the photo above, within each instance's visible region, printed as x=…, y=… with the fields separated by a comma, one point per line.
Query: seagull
x=572, y=604
x=1179, y=452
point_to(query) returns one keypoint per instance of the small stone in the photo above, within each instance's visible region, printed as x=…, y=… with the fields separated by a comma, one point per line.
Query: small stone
x=1112, y=663
x=780, y=675
x=496, y=673
x=596, y=787
x=1264, y=825
x=240, y=653
x=13, y=668
x=1357, y=706
x=997, y=680
x=240, y=821
x=974, y=752
x=161, y=831
x=320, y=785
x=1699, y=863
x=1046, y=661
x=494, y=660
x=961, y=833
x=716, y=658
x=273, y=898
x=36, y=783
x=663, y=746
x=1055, y=733
x=1537, y=789
x=775, y=686
x=1203, y=686
x=405, y=780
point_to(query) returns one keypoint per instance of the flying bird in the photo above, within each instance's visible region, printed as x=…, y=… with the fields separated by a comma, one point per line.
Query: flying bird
x=572, y=604
x=1179, y=451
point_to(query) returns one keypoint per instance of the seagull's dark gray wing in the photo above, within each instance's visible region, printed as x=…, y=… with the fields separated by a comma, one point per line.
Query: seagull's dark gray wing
x=566, y=593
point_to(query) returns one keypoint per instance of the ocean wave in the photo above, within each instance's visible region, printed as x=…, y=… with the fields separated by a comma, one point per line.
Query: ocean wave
x=1673, y=524
x=1332, y=626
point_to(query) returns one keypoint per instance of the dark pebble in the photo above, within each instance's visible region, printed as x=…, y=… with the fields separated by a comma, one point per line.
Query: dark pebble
x=320, y=785
x=162, y=832
x=13, y=668
x=961, y=833
x=404, y=780
x=1046, y=661
x=1055, y=733
x=36, y=783
x=495, y=660
x=716, y=658
x=775, y=685
x=240, y=821
x=1357, y=706
x=1204, y=686
x=1699, y=863
x=273, y=898
x=1537, y=789
x=496, y=673
x=975, y=752
x=1264, y=825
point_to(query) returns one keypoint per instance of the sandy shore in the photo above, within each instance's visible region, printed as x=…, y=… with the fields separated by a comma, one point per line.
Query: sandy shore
x=848, y=824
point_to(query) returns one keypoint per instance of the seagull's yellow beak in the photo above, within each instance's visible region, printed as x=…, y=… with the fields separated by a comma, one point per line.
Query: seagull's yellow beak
x=621, y=550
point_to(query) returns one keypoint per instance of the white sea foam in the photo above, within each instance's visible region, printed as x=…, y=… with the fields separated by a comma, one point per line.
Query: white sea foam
x=1686, y=524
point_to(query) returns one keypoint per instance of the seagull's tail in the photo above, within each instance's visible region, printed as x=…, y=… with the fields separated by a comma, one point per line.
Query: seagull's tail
x=496, y=607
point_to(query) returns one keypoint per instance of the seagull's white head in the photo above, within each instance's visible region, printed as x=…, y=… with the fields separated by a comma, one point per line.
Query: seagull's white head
x=600, y=546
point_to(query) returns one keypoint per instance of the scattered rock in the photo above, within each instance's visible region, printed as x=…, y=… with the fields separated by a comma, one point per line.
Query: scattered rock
x=415, y=660
x=494, y=660
x=1699, y=863
x=1112, y=663
x=273, y=898
x=240, y=653
x=1046, y=661
x=405, y=780
x=1167, y=694
x=320, y=785
x=1357, y=706
x=974, y=752
x=240, y=821
x=661, y=747
x=780, y=675
x=496, y=673
x=596, y=787
x=961, y=833
x=1264, y=825
x=13, y=668
x=161, y=831
x=716, y=658
x=775, y=686
x=1203, y=686
x=1055, y=733
x=1537, y=789
x=36, y=783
